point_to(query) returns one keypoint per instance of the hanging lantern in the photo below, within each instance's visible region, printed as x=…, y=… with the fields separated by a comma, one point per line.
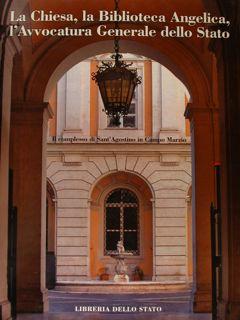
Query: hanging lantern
x=117, y=83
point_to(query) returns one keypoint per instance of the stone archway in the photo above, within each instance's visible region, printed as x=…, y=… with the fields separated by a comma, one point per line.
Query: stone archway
x=202, y=120
x=168, y=54
x=98, y=260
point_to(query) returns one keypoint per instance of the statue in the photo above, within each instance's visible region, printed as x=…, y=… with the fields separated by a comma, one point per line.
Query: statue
x=121, y=267
x=120, y=247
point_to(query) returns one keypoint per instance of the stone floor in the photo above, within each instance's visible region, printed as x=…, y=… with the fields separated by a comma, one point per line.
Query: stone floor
x=158, y=306
x=168, y=302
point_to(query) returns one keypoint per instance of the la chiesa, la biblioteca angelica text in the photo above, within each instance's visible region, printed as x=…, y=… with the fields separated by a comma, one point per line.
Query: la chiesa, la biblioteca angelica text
x=162, y=23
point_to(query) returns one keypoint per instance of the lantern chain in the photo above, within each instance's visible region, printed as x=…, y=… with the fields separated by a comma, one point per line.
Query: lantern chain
x=116, y=39
x=112, y=77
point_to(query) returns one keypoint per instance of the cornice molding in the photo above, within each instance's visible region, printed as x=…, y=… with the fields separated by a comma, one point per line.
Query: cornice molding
x=32, y=107
x=191, y=111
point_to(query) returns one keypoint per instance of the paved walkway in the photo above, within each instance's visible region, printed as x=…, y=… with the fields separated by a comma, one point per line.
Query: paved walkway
x=170, y=302
x=159, y=306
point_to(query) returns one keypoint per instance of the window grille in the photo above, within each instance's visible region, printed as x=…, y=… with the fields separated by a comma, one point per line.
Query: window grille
x=122, y=221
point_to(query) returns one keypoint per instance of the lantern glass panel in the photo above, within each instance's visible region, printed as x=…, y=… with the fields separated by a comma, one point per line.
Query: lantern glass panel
x=113, y=90
x=125, y=84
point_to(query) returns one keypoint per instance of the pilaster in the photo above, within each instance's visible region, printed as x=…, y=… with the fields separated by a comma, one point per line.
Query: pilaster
x=28, y=152
x=148, y=97
x=12, y=46
x=204, y=155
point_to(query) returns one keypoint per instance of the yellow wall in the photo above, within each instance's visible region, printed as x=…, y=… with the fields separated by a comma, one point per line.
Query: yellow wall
x=51, y=225
x=148, y=97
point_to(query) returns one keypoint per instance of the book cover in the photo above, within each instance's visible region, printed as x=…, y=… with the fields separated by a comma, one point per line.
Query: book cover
x=119, y=125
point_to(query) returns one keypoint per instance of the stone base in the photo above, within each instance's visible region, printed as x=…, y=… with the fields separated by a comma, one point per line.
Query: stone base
x=5, y=310
x=32, y=301
x=97, y=286
x=121, y=278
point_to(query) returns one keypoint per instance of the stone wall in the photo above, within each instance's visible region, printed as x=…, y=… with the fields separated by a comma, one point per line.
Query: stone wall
x=74, y=169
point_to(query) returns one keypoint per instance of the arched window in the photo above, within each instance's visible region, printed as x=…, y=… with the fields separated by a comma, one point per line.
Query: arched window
x=122, y=221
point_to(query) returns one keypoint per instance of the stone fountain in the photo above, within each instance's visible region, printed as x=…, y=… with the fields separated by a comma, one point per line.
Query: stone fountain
x=120, y=267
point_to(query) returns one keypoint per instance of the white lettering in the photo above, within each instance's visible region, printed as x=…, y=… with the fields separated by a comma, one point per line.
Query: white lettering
x=102, y=31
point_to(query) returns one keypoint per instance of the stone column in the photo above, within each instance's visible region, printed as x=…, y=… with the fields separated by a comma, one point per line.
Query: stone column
x=28, y=156
x=228, y=64
x=11, y=47
x=203, y=155
x=154, y=238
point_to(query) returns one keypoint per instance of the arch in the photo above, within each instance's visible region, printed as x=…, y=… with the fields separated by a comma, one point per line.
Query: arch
x=51, y=189
x=62, y=55
x=95, y=193
x=189, y=192
x=105, y=47
x=120, y=180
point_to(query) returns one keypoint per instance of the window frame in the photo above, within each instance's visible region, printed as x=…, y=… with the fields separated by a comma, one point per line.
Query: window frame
x=122, y=205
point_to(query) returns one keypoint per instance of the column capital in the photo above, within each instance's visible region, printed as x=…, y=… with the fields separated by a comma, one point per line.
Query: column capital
x=191, y=110
x=31, y=112
x=31, y=106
